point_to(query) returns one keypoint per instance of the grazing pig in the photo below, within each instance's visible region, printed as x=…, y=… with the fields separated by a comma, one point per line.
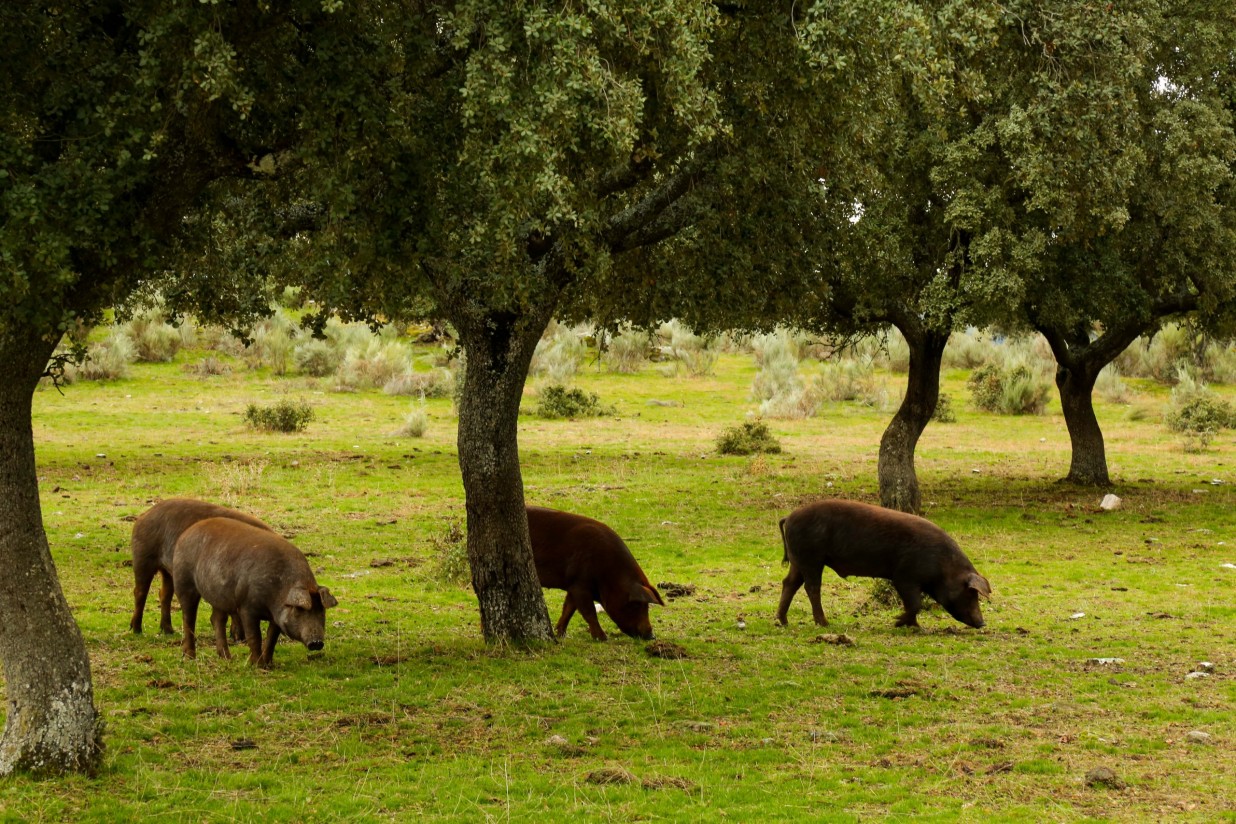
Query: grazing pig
x=256, y=576
x=154, y=541
x=588, y=560
x=859, y=539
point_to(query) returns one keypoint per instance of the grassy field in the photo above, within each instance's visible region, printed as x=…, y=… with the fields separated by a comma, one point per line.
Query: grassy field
x=406, y=714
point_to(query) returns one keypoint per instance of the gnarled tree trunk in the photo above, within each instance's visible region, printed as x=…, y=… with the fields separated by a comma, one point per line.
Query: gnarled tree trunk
x=1088, y=464
x=51, y=725
x=499, y=350
x=898, y=480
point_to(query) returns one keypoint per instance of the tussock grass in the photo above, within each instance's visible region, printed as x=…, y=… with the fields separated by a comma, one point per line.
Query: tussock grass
x=406, y=714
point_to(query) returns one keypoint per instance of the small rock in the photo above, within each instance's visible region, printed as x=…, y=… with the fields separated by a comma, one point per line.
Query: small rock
x=1103, y=662
x=1110, y=502
x=557, y=741
x=1193, y=676
x=1077, y=615
x=741, y=624
x=1205, y=666
x=1198, y=737
x=1104, y=777
x=841, y=640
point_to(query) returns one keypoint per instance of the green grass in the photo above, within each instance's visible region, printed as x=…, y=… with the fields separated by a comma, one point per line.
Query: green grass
x=407, y=714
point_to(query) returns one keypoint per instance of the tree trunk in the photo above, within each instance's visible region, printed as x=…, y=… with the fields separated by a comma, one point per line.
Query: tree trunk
x=51, y=725
x=898, y=481
x=499, y=350
x=1088, y=464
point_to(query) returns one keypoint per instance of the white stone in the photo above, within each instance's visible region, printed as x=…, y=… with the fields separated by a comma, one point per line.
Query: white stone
x=1110, y=502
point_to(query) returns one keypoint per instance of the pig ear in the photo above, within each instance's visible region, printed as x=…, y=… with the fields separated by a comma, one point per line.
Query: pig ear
x=640, y=592
x=979, y=584
x=300, y=597
x=328, y=600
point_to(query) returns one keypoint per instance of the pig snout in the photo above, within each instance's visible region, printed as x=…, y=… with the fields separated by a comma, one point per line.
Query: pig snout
x=314, y=646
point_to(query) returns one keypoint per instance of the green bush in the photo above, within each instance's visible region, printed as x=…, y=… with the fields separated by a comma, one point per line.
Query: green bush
x=415, y=424
x=748, y=439
x=1015, y=389
x=561, y=402
x=944, y=410
x=626, y=352
x=1197, y=414
x=316, y=357
x=283, y=416
x=450, y=556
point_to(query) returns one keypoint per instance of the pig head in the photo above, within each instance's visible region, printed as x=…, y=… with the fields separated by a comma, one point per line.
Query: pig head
x=588, y=560
x=255, y=575
x=853, y=538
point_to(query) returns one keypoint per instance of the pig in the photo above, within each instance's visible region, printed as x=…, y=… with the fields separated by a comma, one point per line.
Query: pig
x=853, y=538
x=588, y=560
x=255, y=575
x=154, y=540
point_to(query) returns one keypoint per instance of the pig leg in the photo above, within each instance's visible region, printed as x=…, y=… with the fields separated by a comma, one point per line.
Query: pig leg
x=568, y=610
x=189, y=599
x=143, y=575
x=583, y=602
x=253, y=635
x=218, y=620
x=268, y=649
x=911, y=600
x=789, y=588
x=811, y=578
x=165, y=602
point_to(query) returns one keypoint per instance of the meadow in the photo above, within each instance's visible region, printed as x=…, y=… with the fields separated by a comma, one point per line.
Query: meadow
x=1097, y=622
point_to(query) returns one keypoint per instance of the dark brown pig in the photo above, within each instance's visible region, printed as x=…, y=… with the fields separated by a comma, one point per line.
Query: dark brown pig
x=870, y=541
x=256, y=576
x=588, y=560
x=154, y=541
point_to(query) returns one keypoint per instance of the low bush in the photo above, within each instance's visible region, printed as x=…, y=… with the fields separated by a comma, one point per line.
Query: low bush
x=415, y=424
x=944, y=412
x=207, y=367
x=107, y=360
x=449, y=552
x=747, y=439
x=283, y=416
x=558, y=355
x=1197, y=414
x=626, y=352
x=1018, y=388
x=316, y=357
x=561, y=402
x=439, y=383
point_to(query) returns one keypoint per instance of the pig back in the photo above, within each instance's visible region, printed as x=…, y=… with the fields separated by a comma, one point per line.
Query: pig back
x=854, y=538
x=572, y=549
x=159, y=528
x=235, y=565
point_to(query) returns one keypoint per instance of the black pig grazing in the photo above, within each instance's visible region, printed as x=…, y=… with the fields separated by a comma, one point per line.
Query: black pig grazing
x=253, y=574
x=588, y=560
x=870, y=541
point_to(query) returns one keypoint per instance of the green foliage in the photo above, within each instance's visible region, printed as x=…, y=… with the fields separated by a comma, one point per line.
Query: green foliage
x=558, y=355
x=1197, y=414
x=561, y=402
x=626, y=352
x=414, y=424
x=316, y=357
x=449, y=556
x=1017, y=388
x=283, y=416
x=750, y=438
x=944, y=412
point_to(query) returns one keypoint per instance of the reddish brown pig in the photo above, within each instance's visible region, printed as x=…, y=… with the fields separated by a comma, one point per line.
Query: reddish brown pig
x=255, y=575
x=154, y=541
x=588, y=560
x=859, y=539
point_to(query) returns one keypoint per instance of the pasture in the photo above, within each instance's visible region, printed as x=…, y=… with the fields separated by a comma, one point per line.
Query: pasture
x=407, y=715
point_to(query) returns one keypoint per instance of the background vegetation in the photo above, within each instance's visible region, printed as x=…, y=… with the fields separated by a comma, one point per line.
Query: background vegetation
x=1098, y=620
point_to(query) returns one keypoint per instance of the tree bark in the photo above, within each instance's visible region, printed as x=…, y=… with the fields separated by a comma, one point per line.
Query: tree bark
x=499, y=350
x=1088, y=464
x=51, y=725
x=898, y=480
